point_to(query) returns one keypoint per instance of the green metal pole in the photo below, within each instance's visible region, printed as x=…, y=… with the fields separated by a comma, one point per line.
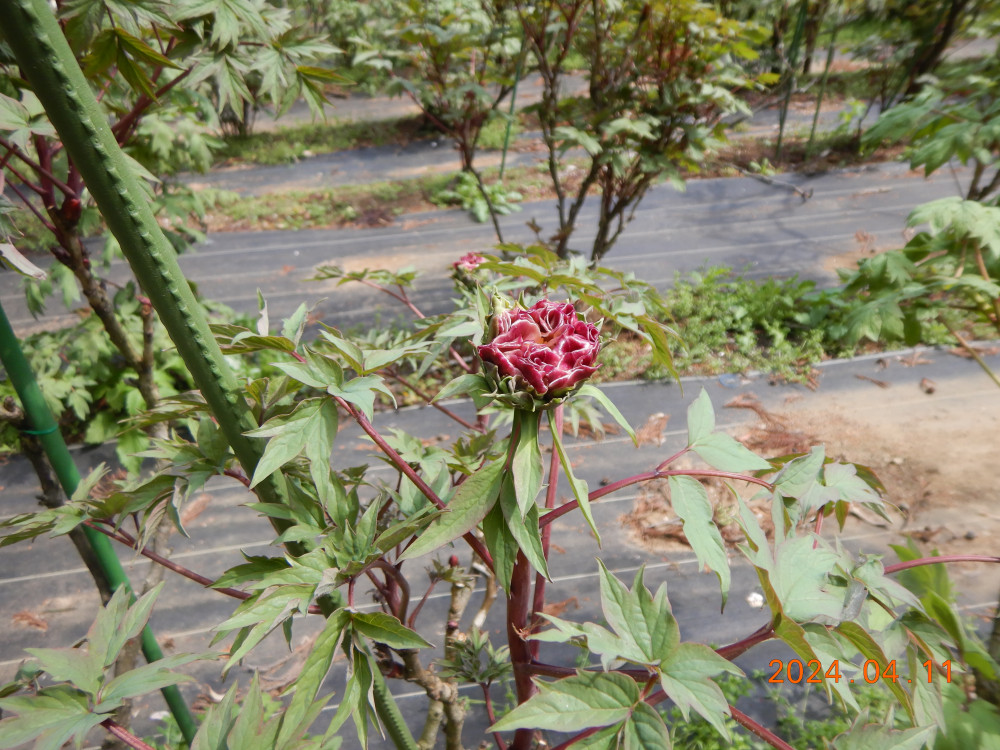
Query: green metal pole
x=46, y=430
x=45, y=58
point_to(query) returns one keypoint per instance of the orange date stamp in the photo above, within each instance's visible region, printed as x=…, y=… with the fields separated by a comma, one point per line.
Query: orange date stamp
x=812, y=672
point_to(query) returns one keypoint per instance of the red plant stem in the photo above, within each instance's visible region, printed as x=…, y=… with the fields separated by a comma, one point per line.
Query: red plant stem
x=763, y=732
x=550, y=502
x=126, y=125
x=518, y=609
x=420, y=604
x=430, y=401
x=491, y=715
x=678, y=454
x=403, y=298
x=392, y=572
x=405, y=468
x=239, y=476
x=565, y=508
x=121, y=733
x=31, y=207
x=43, y=170
x=764, y=633
x=582, y=736
x=125, y=538
x=896, y=567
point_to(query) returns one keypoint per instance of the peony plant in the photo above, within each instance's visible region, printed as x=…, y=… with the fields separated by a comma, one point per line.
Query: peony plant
x=338, y=527
x=521, y=356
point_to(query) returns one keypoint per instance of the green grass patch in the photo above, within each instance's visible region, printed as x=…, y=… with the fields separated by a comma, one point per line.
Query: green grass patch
x=287, y=144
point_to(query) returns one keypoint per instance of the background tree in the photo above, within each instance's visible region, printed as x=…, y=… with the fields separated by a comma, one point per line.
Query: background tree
x=661, y=75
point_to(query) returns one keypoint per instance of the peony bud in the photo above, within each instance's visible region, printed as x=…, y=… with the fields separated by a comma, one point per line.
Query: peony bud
x=468, y=262
x=537, y=357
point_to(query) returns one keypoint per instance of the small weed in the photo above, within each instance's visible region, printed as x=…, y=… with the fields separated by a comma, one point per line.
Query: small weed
x=465, y=192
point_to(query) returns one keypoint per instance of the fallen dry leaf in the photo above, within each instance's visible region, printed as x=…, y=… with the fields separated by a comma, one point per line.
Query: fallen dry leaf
x=30, y=620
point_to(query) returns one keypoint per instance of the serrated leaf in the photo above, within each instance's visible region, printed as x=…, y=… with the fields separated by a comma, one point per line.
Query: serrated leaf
x=73, y=665
x=383, y=628
x=473, y=499
x=587, y=699
x=685, y=677
x=147, y=679
x=51, y=717
x=689, y=500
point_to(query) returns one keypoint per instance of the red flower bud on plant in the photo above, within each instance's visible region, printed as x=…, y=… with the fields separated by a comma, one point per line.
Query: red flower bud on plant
x=468, y=262
x=537, y=357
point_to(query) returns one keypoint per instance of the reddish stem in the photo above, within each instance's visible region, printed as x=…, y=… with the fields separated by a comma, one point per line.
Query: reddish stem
x=128, y=540
x=430, y=400
x=764, y=633
x=420, y=604
x=239, y=476
x=121, y=733
x=678, y=454
x=763, y=732
x=491, y=715
x=896, y=567
x=645, y=477
x=405, y=468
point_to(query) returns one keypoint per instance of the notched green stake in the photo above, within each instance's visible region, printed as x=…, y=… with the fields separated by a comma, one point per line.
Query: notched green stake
x=48, y=63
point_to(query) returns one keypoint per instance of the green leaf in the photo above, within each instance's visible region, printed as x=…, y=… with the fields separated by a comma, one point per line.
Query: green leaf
x=74, y=665
x=645, y=730
x=314, y=671
x=147, y=679
x=689, y=500
x=50, y=718
x=685, y=677
x=383, y=628
x=463, y=385
x=600, y=397
x=578, y=486
x=576, y=137
x=527, y=461
x=525, y=531
x=501, y=544
x=644, y=622
x=587, y=699
x=725, y=453
x=700, y=418
x=10, y=255
x=471, y=502
x=864, y=643
x=312, y=426
x=880, y=737
x=801, y=580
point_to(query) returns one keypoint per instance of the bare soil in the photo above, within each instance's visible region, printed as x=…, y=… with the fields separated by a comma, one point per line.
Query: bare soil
x=935, y=453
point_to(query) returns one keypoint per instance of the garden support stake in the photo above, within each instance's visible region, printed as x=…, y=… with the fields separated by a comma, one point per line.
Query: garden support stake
x=46, y=430
x=46, y=60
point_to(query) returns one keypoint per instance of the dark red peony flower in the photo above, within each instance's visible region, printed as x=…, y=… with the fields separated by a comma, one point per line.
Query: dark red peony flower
x=546, y=351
